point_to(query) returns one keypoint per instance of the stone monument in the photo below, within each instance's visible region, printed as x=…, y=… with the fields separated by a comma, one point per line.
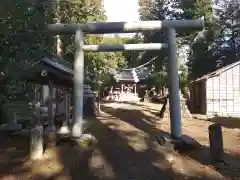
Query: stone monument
x=36, y=137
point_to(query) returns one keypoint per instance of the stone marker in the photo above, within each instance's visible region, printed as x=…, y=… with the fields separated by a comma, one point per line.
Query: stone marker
x=216, y=143
x=36, y=143
x=36, y=137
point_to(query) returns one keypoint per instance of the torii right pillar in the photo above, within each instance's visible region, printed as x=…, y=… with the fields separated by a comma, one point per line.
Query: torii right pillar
x=180, y=142
x=174, y=98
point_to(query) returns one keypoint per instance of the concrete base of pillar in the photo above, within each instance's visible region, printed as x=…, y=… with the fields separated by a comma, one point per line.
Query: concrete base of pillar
x=64, y=130
x=79, y=128
x=50, y=136
x=84, y=137
x=85, y=141
x=184, y=144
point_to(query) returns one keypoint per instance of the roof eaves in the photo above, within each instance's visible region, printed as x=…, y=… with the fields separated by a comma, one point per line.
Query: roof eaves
x=57, y=65
x=215, y=73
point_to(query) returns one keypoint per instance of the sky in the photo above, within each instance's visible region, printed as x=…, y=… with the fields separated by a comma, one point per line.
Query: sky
x=121, y=10
x=127, y=10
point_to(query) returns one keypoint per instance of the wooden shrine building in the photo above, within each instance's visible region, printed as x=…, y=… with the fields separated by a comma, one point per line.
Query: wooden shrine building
x=127, y=88
x=49, y=67
x=54, y=72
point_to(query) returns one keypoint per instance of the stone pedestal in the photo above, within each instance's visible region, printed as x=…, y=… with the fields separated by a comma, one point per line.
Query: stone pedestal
x=77, y=129
x=184, y=144
x=185, y=113
x=64, y=130
x=36, y=142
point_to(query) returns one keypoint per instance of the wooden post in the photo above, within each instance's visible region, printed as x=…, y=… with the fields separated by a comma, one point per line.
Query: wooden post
x=14, y=118
x=45, y=94
x=122, y=92
x=70, y=106
x=50, y=130
x=51, y=106
x=64, y=129
x=66, y=107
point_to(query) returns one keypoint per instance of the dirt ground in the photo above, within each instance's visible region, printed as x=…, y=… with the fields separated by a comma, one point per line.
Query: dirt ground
x=126, y=148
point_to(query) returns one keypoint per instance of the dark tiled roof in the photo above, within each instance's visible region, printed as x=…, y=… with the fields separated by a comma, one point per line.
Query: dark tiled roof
x=51, y=59
x=60, y=70
x=126, y=75
x=215, y=73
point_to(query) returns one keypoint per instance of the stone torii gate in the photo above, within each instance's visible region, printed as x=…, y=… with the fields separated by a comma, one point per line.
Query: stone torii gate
x=126, y=27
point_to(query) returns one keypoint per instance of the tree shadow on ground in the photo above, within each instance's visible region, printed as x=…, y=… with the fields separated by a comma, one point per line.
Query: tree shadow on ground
x=13, y=153
x=112, y=157
x=156, y=112
x=122, y=161
x=202, y=154
x=228, y=122
x=127, y=163
x=75, y=161
x=137, y=119
x=144, y=106
x=229, y=167
x=15, y=163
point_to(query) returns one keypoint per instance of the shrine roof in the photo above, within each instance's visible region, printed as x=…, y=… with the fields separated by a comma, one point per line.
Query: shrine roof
x=126, y=75
x=58, y=70
x=49, y=58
